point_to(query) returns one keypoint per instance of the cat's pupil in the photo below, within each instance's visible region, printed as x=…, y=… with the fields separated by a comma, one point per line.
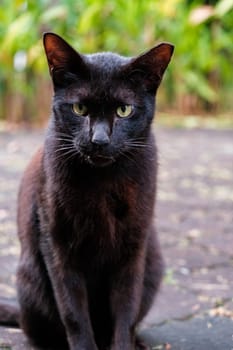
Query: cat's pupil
x=81, y=107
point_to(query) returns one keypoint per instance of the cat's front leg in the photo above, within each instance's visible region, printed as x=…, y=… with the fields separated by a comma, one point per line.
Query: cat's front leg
x=71, y=298
x=125, y=301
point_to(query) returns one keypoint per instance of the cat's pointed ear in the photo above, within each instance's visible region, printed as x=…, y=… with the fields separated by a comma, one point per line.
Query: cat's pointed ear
x=63, y=60
x=151, y=65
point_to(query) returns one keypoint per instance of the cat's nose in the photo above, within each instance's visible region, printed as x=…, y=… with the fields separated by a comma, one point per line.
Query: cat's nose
x=100, y=140
x=100, y=136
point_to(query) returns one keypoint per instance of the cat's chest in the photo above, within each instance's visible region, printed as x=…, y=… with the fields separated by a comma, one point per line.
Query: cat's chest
x=101, y=212
x=98, y=221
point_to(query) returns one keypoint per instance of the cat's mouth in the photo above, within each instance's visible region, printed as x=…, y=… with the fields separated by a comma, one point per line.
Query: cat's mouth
x=100, y=160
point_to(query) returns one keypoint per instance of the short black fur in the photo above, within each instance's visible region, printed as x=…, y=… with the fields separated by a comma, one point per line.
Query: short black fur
x=90, y=262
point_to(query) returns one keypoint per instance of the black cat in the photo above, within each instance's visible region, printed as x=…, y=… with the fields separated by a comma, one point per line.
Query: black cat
x=90, y=262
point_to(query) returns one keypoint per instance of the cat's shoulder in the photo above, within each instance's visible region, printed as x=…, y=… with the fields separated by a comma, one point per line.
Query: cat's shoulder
x=34, y=167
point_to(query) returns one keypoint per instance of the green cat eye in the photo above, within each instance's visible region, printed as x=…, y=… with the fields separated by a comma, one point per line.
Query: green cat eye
x=80, y=109
x=124, y=111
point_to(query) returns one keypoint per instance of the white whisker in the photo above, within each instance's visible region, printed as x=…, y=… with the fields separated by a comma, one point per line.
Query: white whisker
x=68, y=147
x=65, y=156
x=137, y=143
x=64, y=139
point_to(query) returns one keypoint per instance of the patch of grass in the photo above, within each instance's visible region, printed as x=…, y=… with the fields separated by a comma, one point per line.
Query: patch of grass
x=169, y=278
x=5, y=346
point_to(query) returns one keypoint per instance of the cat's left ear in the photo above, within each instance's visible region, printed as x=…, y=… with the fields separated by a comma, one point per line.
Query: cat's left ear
x=63, y=60
x=151, y=65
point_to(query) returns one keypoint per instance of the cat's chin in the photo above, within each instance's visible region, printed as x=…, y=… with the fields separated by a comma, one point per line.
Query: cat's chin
x=100, y=161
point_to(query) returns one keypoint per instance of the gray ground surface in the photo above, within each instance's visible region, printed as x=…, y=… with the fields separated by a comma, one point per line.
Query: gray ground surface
x=194, y=310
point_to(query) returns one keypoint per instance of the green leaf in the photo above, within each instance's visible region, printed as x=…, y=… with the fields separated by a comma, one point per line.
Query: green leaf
x=59, y=12
x=223, y=7
x=199, y=85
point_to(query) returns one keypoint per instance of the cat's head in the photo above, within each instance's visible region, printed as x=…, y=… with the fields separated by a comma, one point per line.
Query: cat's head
x=103, y=103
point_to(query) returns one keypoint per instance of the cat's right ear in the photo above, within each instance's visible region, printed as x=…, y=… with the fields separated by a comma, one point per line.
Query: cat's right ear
x=64, y=62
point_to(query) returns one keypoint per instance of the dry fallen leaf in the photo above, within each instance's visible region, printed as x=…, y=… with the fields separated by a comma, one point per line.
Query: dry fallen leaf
x=221, y=311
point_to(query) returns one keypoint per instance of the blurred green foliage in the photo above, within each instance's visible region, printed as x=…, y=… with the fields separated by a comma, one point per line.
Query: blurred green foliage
x=199, y=78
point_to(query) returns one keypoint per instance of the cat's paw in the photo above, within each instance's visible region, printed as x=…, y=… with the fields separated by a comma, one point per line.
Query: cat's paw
x=140, y=345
